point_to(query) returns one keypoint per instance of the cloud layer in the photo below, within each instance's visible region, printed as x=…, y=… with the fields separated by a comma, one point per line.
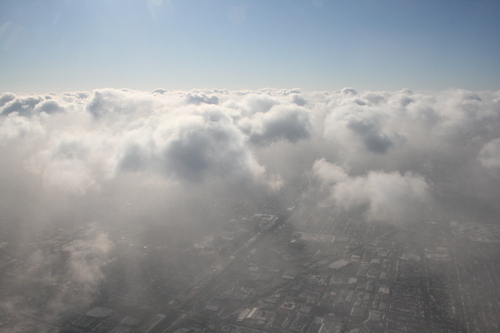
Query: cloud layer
x=127, y=158
x=373, y=148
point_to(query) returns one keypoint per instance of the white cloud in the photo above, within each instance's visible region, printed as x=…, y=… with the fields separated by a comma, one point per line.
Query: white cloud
x=202, y=143
x=76, y=161
x=389, y=197
x=15, y=126
x=80, y=141
x=281, y=122
x=84, y=141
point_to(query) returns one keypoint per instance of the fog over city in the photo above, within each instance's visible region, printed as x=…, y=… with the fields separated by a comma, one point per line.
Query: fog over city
x=153, y=162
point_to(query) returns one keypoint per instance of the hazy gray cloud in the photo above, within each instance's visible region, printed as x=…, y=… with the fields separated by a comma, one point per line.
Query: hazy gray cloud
x=63, y=278
x=86, y=256
x=374, y=141
x=198, y=99
x=21, y=104
x=84, y=274
x=159, y=91
x=49, y=106
x=349, y=91
x=299, y=100
x=6, y=97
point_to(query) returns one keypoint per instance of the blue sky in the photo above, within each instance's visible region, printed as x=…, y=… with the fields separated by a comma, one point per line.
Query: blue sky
x=183, y=44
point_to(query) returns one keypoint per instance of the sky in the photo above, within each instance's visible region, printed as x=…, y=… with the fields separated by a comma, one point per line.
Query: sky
x=55, y=46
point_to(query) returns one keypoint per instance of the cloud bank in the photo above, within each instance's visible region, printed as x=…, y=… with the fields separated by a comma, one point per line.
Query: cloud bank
x=372, y=148
x=125, y=158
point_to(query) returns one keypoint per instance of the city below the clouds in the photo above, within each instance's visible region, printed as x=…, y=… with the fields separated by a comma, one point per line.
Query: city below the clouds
x=250, y=211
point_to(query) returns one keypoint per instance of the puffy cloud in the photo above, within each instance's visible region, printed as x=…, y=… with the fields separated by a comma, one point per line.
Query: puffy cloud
x=389, y=197
x=405, y=127
x=87, y=140
x=198, y=99
x=16, y=126
x=5, y=98
x=329, y=173
x=299, y=100
x=20, y=104
x=364, y=126
x=349, y=91
x=267, y=118
x=76, y=161
x=280, y=122
x=83, y=142
x=260, y=103
x=49, y=106
x=107, y=102
x=159, y=91
x=374, y=140
x=201, y=143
